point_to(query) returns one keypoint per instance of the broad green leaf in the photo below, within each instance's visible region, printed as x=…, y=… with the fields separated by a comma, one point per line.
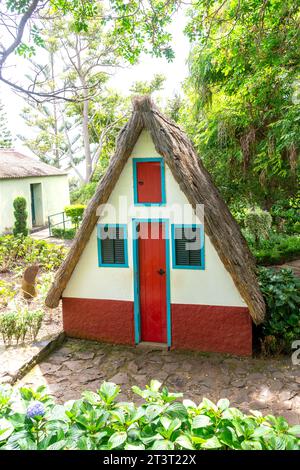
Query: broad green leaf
x=208, y=404
x=189, y=404
x=295, y=430
x=138, y=414
x=201, y=421
x=134, y=447
x=256, y=413
x=109, y=391
x=155, y=385
x=163, y=445
x=57, y=445
x=184, y=442
x=251, y=445
x=139, y=391
x=228, y=436
x=6, y=429
x=223, y=404
x=262, y=431
x=91, y=397
x=58, y=412
x=27, y=444
x=166, y=422
x=118, y=415
x=198, y=440
x=153, y=411
x=175, y=424
x=177, y=409
x=149, y=439
x=117, y=439
x=212, y=443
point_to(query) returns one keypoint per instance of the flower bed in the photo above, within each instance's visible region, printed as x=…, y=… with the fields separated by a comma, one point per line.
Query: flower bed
x=30, y=420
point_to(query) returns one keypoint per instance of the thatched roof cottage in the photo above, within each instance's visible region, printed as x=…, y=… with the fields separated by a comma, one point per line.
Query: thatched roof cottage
x=145, y=266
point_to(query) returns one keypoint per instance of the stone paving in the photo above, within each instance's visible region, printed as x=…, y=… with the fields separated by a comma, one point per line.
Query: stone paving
x=269, y=385
x=293, y=265
x=17, y=360
x=44, y=235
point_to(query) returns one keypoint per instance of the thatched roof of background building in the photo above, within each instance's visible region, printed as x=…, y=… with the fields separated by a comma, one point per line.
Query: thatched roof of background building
x=194, y=180
x=16, y=165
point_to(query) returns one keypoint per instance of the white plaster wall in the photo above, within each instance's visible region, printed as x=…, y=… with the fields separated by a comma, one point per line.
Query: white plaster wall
x=55, y=196
x=212, y=286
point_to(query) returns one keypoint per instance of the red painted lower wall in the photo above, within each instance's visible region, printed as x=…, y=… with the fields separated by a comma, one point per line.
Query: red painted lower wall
x=195, y=327
x=103, y=320
x=212, y=328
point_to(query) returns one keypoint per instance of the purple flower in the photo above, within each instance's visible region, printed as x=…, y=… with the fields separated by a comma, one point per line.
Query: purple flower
x=36, y=408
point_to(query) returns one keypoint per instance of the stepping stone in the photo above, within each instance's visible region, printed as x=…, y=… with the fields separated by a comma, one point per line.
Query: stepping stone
x=239, y=383
x=132, y=367
x=256, y=377
x=74, y=365
x=84, y=355
x=140, y=379
x=286, y=395
x=120, y=378
x=257, y=405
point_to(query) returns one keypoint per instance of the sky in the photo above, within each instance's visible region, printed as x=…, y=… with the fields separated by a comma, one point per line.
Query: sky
x=147, y=67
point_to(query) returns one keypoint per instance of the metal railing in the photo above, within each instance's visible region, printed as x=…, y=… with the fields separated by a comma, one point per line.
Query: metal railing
x=63, y=222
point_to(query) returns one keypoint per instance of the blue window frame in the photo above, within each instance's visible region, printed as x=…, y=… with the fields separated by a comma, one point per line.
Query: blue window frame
x=162, y=179
x=112, y=245
x=188, y=246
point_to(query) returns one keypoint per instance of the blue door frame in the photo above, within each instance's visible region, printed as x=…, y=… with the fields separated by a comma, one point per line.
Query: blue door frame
x=137, y=316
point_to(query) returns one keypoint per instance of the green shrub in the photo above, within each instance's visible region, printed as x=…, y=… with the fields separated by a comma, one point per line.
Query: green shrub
x=7, y=293
x=296, y=227
x=278, y=249
x=14, y=326
x=20, y=213
x=75, y=213
x=286, y=215
x=281, y=291
x=239, y=209
x=16, y=253
x=67, y=234
x=8, y=326
x=34, y=319
x=83, y=194
x=31, y=420
x=258, y=223
x=44, y=282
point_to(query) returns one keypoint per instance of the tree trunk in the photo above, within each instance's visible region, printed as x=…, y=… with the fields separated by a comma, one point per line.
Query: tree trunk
x=56, y=150
x=86, y=133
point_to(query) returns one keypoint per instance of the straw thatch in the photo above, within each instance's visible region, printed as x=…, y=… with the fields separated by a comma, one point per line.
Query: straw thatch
x=16, y=165
x=188, y=170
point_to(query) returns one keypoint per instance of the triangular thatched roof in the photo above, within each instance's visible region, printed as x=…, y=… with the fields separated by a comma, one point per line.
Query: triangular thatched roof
x=189, y=172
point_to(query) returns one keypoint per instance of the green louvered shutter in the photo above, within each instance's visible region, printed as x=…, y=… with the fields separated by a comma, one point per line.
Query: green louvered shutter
x=182, y=255
x=119, y=245
x=112, y=245
x=187, y=238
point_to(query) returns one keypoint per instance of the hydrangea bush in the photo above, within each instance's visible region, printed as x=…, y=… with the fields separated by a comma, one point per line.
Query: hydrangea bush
x=30, y=420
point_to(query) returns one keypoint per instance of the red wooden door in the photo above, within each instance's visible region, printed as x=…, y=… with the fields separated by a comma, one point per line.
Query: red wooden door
x=152, y=274
x=149, y=182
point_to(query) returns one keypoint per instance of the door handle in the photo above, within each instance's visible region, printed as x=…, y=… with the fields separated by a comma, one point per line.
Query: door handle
x=161, y=272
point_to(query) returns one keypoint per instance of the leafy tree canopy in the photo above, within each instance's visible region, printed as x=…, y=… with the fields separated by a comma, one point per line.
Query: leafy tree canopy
x=243, y=90
x=5, y=134
x=135, y=26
